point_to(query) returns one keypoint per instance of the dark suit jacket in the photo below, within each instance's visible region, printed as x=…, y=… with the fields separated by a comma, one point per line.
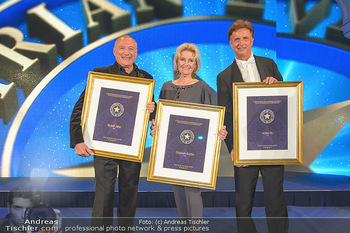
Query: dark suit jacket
x=76, y=134
x=266, y=67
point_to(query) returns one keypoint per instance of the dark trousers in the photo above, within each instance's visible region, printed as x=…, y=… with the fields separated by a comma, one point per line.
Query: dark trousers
x=275, y=206
x=106, y=170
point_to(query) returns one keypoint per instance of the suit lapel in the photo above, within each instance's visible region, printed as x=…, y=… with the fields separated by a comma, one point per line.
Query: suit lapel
x=236, y=73
x=236, y=76
x=260, y=67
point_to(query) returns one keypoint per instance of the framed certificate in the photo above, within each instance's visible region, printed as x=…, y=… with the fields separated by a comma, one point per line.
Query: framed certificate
x=114, y=117
x=186, y=146
x=268, y=123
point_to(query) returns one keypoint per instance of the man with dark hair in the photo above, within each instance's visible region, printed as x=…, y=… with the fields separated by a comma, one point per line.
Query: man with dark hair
x=106, y=169
x=22, y=202
x=20, y=198
x=250, y=68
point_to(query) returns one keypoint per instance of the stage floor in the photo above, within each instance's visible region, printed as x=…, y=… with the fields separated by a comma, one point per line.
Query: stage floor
x=293, y=181
x=301, y=189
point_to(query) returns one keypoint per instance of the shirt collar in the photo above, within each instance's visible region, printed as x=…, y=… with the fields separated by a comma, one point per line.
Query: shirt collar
x=119, y=67
x=251, y=60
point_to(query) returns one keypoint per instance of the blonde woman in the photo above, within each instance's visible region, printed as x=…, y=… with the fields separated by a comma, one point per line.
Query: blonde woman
x=187, y=88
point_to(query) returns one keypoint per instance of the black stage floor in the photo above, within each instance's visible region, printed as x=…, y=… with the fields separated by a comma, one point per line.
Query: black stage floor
x=301, y=189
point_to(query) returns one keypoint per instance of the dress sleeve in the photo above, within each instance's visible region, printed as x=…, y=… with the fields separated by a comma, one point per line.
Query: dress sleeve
x=206, y=94
x=162, y=93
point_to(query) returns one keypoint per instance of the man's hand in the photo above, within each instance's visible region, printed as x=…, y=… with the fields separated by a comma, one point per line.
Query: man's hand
x=154, y=127
x=83, y=150
x=150, y=107
x=269, y=80
x=222, y=133
x=233, y=159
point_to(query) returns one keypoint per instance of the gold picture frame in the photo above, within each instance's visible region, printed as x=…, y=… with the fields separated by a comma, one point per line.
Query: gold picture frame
x=186, y=146
x=268, y=123
x=114, y=116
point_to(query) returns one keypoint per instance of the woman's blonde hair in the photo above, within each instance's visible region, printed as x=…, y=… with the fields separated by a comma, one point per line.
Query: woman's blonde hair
x=197, y=57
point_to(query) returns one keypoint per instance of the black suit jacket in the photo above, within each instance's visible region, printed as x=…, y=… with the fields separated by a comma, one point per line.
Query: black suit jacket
x=76, y=133
x=266, y=67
